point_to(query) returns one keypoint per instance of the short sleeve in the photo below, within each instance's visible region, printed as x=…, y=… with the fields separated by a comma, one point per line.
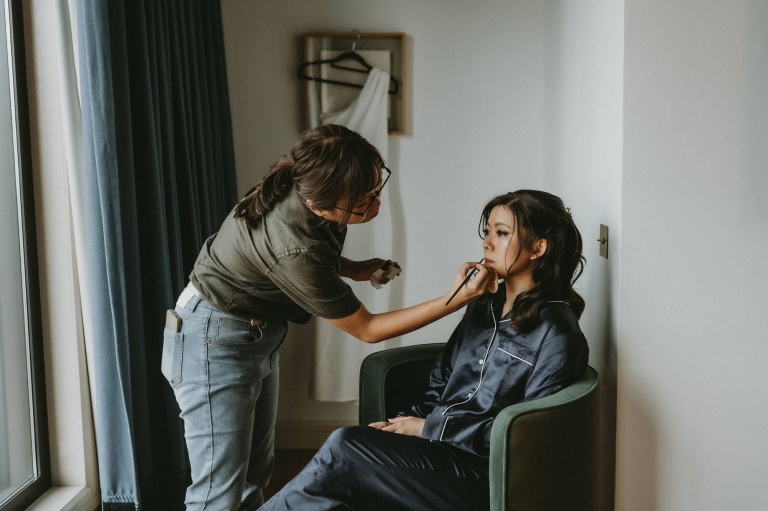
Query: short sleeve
x=311, y=279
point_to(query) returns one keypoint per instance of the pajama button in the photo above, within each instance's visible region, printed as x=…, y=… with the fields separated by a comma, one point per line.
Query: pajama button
x=481, y=361
x=469, y=395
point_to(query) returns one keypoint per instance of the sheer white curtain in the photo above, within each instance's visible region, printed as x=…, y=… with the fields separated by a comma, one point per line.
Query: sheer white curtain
x=51, y=35
x=72, y=136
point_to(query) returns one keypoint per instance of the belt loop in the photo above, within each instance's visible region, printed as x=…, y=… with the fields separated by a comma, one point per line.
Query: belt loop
x=192, y=303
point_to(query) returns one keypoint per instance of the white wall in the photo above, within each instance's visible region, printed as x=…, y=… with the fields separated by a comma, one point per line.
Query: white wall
x=561, y=95
x=692, y=386
x=475, y=129
x=583, y=72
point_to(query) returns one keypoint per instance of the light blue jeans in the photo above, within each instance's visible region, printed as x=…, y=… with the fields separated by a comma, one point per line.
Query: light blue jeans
x=224, y=373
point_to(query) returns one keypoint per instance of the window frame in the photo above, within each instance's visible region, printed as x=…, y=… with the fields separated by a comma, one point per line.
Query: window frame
x=16, y=60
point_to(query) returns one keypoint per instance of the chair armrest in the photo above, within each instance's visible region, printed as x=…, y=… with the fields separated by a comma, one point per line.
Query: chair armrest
x=380, y=372
x=544, y=452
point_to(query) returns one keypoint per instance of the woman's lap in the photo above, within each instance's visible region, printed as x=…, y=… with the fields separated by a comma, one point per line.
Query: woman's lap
x=365, y=468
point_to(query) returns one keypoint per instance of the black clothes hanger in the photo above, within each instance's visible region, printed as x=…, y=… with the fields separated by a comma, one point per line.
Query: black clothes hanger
x=336, y=63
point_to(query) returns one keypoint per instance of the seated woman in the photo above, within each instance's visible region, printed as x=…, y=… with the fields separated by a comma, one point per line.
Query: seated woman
x=519, y=343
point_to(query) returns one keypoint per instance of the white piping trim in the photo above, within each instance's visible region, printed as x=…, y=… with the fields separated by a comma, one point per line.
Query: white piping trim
x=444, y=425
x=482, y=370
x=515, y=356
x=548, y=301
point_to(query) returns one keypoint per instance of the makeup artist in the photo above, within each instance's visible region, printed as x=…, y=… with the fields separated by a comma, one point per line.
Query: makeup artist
x=277, y=258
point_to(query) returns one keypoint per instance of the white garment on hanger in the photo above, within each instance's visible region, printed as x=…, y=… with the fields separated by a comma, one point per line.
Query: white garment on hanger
x=338, y=355
x=367, y=114
x=334, y=97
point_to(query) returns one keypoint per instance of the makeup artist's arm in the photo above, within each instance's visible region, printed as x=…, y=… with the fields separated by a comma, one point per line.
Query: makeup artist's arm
x=374, y=328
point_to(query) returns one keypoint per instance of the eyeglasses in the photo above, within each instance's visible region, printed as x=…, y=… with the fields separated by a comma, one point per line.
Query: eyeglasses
x=373, y=198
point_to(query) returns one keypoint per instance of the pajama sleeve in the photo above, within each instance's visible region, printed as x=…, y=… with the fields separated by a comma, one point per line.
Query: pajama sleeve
x=561, y=361
x=441, y=372
x=468, y=432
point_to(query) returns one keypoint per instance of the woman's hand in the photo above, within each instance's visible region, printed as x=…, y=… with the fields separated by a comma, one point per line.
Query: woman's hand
x=362, y=270
x=412, y=426
x=483, y=281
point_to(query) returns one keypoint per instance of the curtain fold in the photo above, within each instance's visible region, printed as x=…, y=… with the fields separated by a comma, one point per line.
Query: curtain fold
x=160, y=178
x=64, y=28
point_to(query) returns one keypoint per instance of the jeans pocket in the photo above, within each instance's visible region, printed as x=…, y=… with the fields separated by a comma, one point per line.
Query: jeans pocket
x=173, y=347
x=236, y=333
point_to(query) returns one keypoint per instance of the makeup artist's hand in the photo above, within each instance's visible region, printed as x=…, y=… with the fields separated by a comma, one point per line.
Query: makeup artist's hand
x=362, y=270
x=412, y=426
x=483, y=281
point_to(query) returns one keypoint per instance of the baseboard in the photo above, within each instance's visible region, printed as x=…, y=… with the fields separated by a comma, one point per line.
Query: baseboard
x=305, y=434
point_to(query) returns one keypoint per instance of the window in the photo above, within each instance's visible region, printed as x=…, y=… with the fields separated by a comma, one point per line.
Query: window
x=24, y=456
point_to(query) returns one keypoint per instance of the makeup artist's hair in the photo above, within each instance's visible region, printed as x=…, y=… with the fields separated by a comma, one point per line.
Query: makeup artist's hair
x=540, y=215
x=330, y=165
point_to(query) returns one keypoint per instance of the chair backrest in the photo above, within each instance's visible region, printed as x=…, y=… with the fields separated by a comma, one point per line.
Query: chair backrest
x=394, y=379
x=544, y=453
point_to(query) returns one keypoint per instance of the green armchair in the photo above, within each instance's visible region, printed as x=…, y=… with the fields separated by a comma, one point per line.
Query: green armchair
x=543, y=452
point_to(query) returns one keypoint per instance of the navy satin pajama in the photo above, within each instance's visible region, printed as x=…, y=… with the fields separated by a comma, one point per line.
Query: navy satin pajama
x=485, y=366
x=366, y=468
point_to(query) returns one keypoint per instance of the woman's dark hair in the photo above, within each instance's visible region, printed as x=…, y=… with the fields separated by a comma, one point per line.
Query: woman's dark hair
x=330, y=165
x=540, y=215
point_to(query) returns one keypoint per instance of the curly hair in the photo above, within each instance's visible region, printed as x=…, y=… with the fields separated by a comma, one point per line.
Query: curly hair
x=540, y=215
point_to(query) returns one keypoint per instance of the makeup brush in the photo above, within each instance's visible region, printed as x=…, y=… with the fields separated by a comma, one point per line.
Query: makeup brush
x=470, y=274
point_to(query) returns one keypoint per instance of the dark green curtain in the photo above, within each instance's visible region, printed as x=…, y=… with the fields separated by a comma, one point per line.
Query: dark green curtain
x=160, y=178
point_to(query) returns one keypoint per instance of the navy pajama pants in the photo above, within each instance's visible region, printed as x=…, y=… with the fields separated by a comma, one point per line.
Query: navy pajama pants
x=363, y=468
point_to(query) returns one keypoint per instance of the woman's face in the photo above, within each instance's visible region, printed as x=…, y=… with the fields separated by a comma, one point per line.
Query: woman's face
x=370, y=214
x=337, y=214
x=366, y=209
x=501, y=244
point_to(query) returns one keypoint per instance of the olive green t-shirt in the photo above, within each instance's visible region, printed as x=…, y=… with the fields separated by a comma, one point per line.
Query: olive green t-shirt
x=285, y=269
